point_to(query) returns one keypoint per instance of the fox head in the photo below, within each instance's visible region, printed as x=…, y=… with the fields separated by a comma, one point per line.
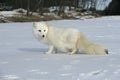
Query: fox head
x=40, y=29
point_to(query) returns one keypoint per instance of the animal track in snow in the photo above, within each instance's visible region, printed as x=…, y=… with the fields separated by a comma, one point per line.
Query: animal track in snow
x=37, y=71
x=117, y=71
x=33, y=70
x=10, y=77
x=42, y=73
x=94, y=73
x=66, y=74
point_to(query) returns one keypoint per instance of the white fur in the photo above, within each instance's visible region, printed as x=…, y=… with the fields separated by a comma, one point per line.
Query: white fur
x=67, y=40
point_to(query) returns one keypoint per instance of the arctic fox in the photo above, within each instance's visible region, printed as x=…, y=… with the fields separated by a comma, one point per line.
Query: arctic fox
x=68, y=40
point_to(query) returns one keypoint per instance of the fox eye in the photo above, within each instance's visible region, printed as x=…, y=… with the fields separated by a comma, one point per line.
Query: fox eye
x=44, y=30
x=39, y=30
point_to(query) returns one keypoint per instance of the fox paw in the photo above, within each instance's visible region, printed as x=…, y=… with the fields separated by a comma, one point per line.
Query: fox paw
x=53, y=52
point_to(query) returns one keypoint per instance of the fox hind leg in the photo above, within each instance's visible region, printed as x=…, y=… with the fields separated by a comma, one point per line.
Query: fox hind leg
x=74, y=50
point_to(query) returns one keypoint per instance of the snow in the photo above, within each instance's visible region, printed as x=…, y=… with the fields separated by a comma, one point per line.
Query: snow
x=102, y=4
x=22, y=56
x=8, y=13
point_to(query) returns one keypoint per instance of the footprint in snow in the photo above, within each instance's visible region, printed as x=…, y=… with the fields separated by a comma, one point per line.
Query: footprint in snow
x=98, y=72
x=94, y=73
x=117, y=71
x=66, y=74
x=37, y=71
x=10, y=77
x=34, y=70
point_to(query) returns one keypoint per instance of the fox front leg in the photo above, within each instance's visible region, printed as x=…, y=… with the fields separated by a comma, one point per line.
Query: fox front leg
x=52, y=50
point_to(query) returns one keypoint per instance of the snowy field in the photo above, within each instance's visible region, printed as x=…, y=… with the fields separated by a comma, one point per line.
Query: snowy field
x=22, y=56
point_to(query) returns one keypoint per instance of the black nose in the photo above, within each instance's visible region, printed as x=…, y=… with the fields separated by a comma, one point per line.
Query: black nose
x=43, y=35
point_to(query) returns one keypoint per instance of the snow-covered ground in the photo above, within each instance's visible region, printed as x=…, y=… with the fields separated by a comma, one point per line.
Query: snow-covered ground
x=22, y=56
x=10, y=16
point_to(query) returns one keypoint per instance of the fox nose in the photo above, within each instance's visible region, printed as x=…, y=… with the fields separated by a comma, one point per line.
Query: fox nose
x=43, y=35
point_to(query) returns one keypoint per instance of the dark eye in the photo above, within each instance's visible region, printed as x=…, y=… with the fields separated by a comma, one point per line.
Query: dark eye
x=44, y=30
x=39, y=30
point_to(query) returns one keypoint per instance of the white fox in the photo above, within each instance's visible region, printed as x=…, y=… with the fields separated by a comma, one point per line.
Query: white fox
x=67, y=40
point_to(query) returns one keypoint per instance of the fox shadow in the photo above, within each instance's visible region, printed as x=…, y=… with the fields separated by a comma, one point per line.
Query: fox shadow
x=42, y=50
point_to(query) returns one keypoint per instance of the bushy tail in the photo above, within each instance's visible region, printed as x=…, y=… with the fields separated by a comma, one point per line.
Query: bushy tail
x=96, y=49
x=88, y=47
